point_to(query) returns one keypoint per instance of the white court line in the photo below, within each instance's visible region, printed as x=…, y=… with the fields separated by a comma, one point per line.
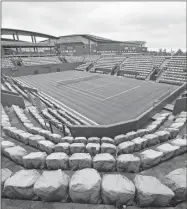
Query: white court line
x=76, y=89
x=102, y=85
x=82, y=83
x=122, y=92
x=71, y=110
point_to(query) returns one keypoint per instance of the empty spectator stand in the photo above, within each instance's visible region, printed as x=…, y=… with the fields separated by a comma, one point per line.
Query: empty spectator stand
x=73, y=59
x=139, y=66
x=175, y=72
x=158, y=60
x=28, y=61
x=91, y=58
x=83, y=66
x=106, y=64
x=6, y=63
x=88, y=62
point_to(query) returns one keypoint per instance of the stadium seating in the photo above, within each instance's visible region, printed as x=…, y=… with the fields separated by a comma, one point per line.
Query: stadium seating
x=48, y=157
x=83, y=58
x=158, y=60
x=139, y=149
x=91, y=58
x=176, y=71
x=6, y=63
x=72, y=59
x=40, y=60
x=83, y=66
x=133, y=152
x=141, y=65
x=105, y=64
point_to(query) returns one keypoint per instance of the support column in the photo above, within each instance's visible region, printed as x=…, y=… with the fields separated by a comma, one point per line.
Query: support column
x=34, y=39
x=17, y=36
x=14, y=36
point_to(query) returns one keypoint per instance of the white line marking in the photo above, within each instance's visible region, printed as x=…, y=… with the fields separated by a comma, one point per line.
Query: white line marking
x=121, y=93
x=91, y=83
x=71, y=110
x=102, y=85
x=76, y=90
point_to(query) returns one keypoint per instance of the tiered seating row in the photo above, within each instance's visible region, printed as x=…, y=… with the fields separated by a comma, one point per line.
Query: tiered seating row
x=35, y=113
x=5, y=122
x=51, y=104
x=56, y=122
x=83, y=66
x=9, y=87
x=158, y=60
x=113, y=189
x=106, y=63
x=101, y=162
x=78, y=158
x=3, y=87
x=72, y=59
x=140, y=64
x=104, y=156
x=176, y=71
x=40, y=60
x=6, y=63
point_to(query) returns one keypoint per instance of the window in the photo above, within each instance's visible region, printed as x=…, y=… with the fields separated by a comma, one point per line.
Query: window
x=58, y=70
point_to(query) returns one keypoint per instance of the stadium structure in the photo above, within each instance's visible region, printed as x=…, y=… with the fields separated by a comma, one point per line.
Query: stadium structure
x=89, y=122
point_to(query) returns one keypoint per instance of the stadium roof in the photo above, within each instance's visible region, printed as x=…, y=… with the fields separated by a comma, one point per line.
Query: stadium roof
x=15, y=43
x=104, y=40
x=9, y=31
x=92, y=37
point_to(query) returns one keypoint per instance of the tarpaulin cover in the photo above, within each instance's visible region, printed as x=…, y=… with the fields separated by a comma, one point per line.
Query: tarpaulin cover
x=93, y=148
x=16, y=154
x=117, y=189
x=35, y=160
x=62, y=147
x=57, y=160
x=150, y=158
x=85, y=186
x=128, y=163
x=104, y=162
x=176, y=180
x=79, y=161
x=120, y=139
x=20, y=185
x=52, y=186
x=151, y=192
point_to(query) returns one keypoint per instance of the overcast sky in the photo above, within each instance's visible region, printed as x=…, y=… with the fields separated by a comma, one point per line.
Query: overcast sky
x=160, y=24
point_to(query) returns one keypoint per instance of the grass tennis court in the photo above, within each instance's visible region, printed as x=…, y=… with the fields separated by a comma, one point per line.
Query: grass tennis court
x=104, y=99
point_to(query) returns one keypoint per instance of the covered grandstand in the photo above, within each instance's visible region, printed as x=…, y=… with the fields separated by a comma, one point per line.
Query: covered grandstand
x=14, y=46
x=81, y=44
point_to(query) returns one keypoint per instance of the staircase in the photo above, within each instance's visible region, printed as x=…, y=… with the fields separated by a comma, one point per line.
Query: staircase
x=152, y=75
x=114, y=70
x=62, y=59
x=162, y=68
x=121, y=65
x=91, y=68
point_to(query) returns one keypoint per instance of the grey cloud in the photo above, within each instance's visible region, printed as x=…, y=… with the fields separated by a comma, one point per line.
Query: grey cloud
x=160, y=24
